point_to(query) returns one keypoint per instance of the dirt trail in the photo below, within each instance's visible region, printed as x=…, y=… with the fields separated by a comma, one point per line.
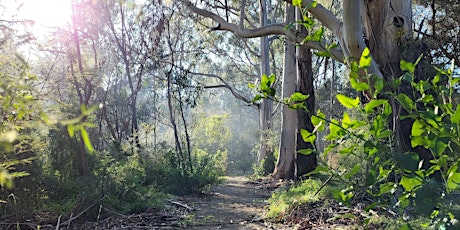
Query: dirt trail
x=237, y=203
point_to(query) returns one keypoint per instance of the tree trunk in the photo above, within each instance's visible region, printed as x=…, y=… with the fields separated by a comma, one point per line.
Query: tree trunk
x=304, y=163
x=287, y=150
x=265, y=154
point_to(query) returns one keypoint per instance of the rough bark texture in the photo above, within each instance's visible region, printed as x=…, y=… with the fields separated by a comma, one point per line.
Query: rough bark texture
x=285, y=164
x=304, y=163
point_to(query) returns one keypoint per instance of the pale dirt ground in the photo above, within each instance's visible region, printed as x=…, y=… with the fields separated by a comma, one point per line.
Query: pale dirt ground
x=237, y=203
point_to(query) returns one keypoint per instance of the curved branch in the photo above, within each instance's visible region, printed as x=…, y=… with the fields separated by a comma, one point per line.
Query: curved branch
x=273, y=29
x=224, y=85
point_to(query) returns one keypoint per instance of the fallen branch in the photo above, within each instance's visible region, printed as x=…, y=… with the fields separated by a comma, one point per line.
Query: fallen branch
x=180, y=204
x=81, y=213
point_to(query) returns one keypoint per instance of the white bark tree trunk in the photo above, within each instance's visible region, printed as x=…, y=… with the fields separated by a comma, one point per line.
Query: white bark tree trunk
x=287, y=149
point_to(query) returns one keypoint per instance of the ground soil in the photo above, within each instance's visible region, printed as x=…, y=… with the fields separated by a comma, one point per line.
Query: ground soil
x=236, y=203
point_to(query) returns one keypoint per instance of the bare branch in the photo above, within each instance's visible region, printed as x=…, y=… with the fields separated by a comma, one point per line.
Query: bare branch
x=225, y=84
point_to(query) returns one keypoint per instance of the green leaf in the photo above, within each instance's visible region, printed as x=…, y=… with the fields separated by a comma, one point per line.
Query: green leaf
x=297, y=3
x=346, y=121
x=358, y=86
x=385, y=188
x=306, y=151
x=298, y=97
x=365, y=60
x=352, y=172
x=307, y=136
x=71, y=130
x=251, y=86
x=323, y=54
x=407, y=66
x=318, y=121
x=405, y=101
x=409, y=183
x=347, y=101
x=453, y=178
x=418, y=129
x=86, y=140
x=455, y=118
x=374, y=103
x=405, y=226
x=378, y=85
x=256, y=98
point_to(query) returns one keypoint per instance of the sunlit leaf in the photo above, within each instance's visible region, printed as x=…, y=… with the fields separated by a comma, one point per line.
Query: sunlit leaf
x=297, y=3
x=418, y=128
x=86, y=140
x=369, y=107
x=453, y=178
x=409, y=183
x=365, y=60
x=455, y=118
x=298, y=97
x=358, y=86
x=307, y=136
x=347, y=101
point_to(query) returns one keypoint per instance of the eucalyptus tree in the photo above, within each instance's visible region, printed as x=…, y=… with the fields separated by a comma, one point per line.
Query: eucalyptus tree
x=381, y=26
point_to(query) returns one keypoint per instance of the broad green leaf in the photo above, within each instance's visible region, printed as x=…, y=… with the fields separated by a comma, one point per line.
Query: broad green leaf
x=407, y=66
x=403, y=201
x=378, y=85
x=365, y=60
x=298, y=97
x=318, y=121
x=409, y=183
x=86, y=140
x=297, y=3
x=358, y=86
x=307, y=136
x=374, y=103
x=384, y=134
x=418, y=129
x=251, y=86
x=347, y=101
x=346, y=121
x=405, y=101
x=385, y=188
x=455, y=118
x=453, y=178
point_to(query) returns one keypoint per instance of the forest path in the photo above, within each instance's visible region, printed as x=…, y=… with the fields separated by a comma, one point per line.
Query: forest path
x=237, y=203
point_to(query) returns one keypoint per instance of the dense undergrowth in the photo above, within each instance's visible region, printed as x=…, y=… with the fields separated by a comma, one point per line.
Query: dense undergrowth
x=413, y=189
x=120, y=182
